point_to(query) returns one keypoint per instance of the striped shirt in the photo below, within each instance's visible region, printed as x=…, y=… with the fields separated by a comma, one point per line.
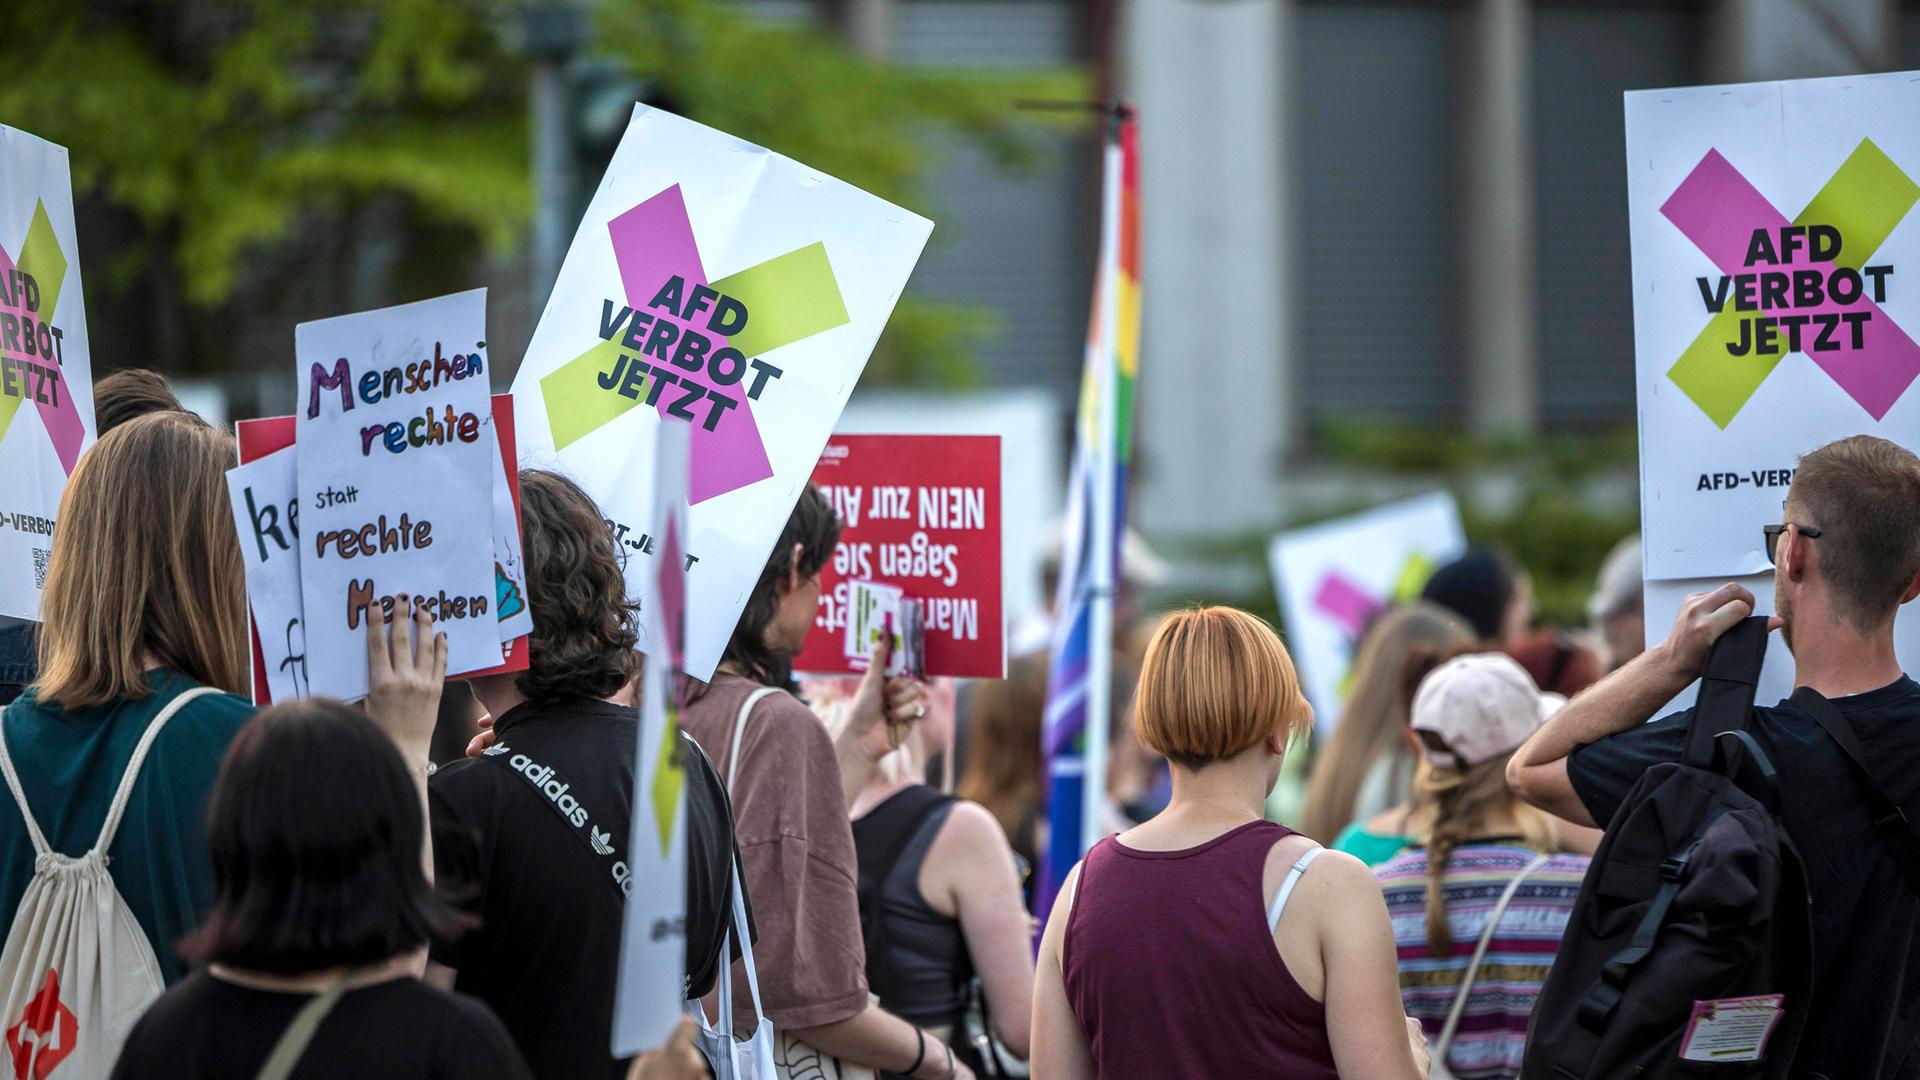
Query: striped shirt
x=1493, y=1031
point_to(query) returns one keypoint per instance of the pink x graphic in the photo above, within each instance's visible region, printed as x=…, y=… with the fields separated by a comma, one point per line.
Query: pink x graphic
x=1345, y=602
x=654, y=242
x=1719, y=211
x=57, y=411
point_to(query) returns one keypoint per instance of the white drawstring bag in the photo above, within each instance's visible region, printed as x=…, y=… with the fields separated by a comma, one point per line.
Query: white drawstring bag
x=733, y=1060
x=77, y=970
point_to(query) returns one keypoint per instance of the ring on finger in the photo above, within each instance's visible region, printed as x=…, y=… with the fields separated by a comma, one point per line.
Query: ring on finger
x=920, y=711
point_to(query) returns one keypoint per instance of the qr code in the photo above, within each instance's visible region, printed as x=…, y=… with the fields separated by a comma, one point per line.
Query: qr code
x=40, y=557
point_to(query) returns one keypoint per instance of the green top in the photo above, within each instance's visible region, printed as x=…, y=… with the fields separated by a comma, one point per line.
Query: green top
x=69, y=764
x=1369, y=847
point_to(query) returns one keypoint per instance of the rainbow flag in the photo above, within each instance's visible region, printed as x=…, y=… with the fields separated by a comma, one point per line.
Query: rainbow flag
x=1090, y=557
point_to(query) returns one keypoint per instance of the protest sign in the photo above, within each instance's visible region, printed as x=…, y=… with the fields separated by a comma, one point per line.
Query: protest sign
x=266, y=511
x=261, y=438
x=1031, y=481
x=920, y=513
x=653, y=936
x=1773, y=239
x=1334, y=577
x=44, y=359
x=722, y=286
x=395, y=482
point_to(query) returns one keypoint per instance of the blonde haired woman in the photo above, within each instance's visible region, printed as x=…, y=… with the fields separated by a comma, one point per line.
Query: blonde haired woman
x=145, y=603
x=1208, y=941
x=1488, y=870
x=1366, y=767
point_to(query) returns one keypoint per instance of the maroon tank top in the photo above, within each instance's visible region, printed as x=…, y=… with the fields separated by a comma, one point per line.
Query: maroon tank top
x=1171, y=970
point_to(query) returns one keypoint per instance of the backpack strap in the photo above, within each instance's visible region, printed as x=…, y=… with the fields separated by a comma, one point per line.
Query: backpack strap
x=127, y=779
x=1459, y=1008
x=1605, y=994
x=740, y=729
x=118, y=808
x=20, y=798
x=300, y=1031
x=740, y=924
x=1727, y=686
x=1890, y=822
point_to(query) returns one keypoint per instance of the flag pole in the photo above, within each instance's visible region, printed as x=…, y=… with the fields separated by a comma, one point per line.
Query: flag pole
x=1105, y=545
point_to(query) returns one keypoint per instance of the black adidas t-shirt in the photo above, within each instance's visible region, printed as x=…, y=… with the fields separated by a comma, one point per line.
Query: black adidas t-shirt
x=401, y=1029
x=531, y=839
x=1864, y=1022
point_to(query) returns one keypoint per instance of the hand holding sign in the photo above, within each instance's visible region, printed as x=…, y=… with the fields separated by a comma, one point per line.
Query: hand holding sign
x=883, y=710
x=406, y=668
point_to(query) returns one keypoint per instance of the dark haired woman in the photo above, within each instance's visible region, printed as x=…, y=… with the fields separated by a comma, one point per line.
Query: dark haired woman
x=322, y=911
x=531, y=833
x=791, y=785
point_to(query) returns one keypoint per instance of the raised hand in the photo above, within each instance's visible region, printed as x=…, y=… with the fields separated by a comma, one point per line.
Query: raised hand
x=406, y=669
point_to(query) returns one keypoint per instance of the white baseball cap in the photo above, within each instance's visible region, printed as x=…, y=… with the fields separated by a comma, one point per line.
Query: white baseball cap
x=1473, y=709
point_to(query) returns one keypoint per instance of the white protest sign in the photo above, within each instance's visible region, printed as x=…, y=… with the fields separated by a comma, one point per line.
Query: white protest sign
x=395, y=482
x=653, y=937
x=43, y=360
x=266, y=513
x=721, y=285
x=1775, y=298
x=1335, y=576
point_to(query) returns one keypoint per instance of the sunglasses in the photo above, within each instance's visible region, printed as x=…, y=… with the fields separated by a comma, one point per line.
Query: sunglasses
x=1773, y=535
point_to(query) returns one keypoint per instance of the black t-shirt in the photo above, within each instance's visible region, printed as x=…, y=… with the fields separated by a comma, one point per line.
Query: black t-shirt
x=401, y=1029
x=546, y=886
x=1864, y=1021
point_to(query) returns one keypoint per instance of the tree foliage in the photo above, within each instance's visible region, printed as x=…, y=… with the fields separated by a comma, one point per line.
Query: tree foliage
x=256, y=154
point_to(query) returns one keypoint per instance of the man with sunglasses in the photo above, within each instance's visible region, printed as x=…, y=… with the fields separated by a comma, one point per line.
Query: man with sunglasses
x=1846, y=555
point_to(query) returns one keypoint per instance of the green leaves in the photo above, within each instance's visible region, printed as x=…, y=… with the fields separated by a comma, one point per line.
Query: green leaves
x=262, y=146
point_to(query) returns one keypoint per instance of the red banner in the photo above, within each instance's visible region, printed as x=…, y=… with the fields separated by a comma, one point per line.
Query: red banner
x=258, y=438
x=920, y=513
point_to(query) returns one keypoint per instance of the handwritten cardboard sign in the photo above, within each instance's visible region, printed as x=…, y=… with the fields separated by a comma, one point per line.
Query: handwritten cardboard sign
x=920, y=513
x=393, y=458
x=266, y=508
x=277, y=531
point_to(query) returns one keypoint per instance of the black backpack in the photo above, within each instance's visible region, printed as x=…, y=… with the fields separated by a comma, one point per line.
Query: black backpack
x=1696, y=894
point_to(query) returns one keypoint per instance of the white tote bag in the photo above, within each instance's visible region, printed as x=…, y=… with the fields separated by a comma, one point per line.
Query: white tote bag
x=732, y=1059
x=789, y=1058
x=77, y=970
x=1439, y=1070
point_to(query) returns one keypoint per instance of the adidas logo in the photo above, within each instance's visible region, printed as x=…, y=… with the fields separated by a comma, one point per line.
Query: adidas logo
x=601, y=840
x=495, y=750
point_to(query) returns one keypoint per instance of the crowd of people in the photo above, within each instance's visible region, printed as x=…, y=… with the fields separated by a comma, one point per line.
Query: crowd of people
x=324, y=890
